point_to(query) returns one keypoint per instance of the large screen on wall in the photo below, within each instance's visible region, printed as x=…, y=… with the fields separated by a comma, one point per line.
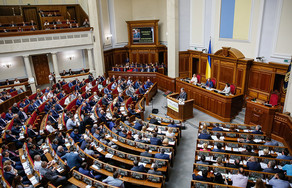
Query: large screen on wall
x=143, y=35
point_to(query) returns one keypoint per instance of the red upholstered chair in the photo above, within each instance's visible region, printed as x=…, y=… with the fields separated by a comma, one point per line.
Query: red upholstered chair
x=232, y=89
x=274, y=98
x=199, y=78
x=214, y=82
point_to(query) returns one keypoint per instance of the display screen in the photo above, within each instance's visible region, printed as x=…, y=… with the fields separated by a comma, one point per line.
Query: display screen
x=143, y=35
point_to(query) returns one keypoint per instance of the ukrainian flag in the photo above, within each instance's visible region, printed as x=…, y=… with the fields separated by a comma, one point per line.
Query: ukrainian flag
x=208, y=67
x=287, y=76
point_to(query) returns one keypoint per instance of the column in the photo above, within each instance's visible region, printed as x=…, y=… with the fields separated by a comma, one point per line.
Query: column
x=90, y=62
x=93, y=13
x=31, y=79
x=172, y=38
x=55, y=65
x=288, y=98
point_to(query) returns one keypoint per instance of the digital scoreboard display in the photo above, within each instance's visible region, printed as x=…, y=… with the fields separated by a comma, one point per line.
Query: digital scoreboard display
x=143, y=35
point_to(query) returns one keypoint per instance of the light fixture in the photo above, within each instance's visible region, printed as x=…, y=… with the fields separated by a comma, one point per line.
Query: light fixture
x=7, y=65
x=70, y=58
x=108, y=36
x=204, y=50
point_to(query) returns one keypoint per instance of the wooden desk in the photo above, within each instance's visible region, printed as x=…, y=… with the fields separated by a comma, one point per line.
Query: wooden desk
x=183, y=112
x=222, y=107
x=259, y=114
x=150, y=93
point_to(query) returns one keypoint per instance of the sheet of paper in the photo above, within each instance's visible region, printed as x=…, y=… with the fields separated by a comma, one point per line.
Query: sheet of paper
x=227, y=148
x=96, y=167
x=214, y=137
x=114, y=140
x=235, y=149
x=108, y=155
x=144, y=164
x=171, y=143
x=263, y=165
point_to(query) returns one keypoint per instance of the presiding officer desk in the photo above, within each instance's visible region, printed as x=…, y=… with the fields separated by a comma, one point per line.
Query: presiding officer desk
x=222, y=107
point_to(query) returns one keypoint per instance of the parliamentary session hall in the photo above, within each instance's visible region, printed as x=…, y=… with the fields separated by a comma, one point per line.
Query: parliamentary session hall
x=145, y=94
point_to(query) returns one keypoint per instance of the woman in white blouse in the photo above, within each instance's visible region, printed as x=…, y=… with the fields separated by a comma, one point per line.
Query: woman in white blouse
x=194, y=79
x=170, y=133
x=226, y=89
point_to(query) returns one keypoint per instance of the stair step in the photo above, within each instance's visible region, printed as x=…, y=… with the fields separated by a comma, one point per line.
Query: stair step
x=237, y=121
x=243, y=110
x=241, y=113
x=239, y=118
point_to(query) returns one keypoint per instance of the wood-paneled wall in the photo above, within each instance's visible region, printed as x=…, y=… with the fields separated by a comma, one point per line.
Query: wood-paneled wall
x=114, y=56
x=254, y=79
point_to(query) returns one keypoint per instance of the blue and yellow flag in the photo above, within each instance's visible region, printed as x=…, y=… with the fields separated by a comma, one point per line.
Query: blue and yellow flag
x=287, y=76
x=208, y=67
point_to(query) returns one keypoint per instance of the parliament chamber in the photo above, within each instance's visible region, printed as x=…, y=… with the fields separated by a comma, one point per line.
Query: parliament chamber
x=156, y=93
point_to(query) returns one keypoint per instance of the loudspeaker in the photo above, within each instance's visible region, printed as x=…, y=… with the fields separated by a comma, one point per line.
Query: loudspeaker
x=155, y=111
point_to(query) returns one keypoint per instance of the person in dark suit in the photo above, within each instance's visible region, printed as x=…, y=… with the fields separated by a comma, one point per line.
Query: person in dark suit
x=204, y=177
x=248, y=151
x=162, y=155
x=33, y=134
x=154, y=170
x=183, y=95
x=236, y=164
x=217, y=127
x=52, y=119
x=8, y=175
x=9, y=115
x=58, y=107
x=155, y=141
x=141, y=90
x=15, y=109
x=2, y=123
x=22, y=115
x=73, y=159
x=140, y=139
x=258, y=130
x=120, y=98
x=138, y=125
x=271, y=168
x=146, y=153
x=209, y=83
x=83, y=169
x=154, y=121
x=76, y=136
x=105, y=100
x=219, y=148
x=252, y=164
x=204, y=135
x=22, y=104
x=52, y=175
x=137, y=168
x=31, y=108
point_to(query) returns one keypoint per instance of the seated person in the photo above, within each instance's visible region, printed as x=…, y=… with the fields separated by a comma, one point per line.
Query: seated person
x=138, y=125
x=172, y=124
x=52, y=175
x=270, y=142
x=252, y=164
x=194, y=79
x=288, y=168
x=271, y=168
x=217, y=127
x=146, y=153
x=266, y=153
x=155, y=141
x=209, y=83
x=248, y=151
x=226, y=90
x=239, y=180
x=205, y=147
x=114, y=180
x=204, y=135
x=258, y=130
x=162, y=155
x=219, y=148
x=285, y=155
x=138, y=168
x=279, y=180
x=236, y=164
x=203, y=160
x=204, y=177
x=154, y=171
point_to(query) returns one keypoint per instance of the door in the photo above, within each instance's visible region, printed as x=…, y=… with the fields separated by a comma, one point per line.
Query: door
x=71, y=12
x=30, y=13
x=41, y=69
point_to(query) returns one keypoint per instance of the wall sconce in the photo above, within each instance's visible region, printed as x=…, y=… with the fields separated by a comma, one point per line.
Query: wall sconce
x=70, y=58
x=7, y=65
x=204, y=50
x=108, y=36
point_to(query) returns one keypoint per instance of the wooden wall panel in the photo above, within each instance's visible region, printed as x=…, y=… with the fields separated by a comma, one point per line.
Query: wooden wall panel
x=226, y=74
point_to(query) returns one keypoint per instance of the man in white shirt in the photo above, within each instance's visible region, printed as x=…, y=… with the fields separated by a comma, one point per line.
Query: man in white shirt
x=194, y=79
x=226, y=89
x=67, y=100
x=49, y=127
x=239, y=180
x=71, y=123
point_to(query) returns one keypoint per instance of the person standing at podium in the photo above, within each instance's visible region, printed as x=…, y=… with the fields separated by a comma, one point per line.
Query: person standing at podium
x=182, y=95
x=194, y=79
x=226, y=89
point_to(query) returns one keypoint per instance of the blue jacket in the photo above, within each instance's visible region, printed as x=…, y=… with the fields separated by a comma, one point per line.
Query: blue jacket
x=30, y=108
x=61, y=96
x=8, y=116
x=140, y=168
x=218, y=150
x=85, y=172
x=120, y=99
x=22, y=105
x=204, y=136
x=254, y=166
x=2, y=122
x=76, y=137
x=58, y=107
x=27, y=102
x=209, y=84
x=138, y=126
x=47, y=108
x=161, y=156
x=55, y=114
x=73, y=159
x=217, y=129
x=70, y=84
x=201, y=178
x=78, y=102
x=149, y=84
x=155, y=141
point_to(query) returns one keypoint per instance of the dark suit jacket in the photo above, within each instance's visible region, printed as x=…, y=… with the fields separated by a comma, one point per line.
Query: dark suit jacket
x=254, y=166
x=146, y=154
x=183, y=95
x=140, y=168
x=217, y=129
x=9, y=177
x=155, y=141
x=161, y=156
x=104, y=101
x=204, y=136
x=201, y=178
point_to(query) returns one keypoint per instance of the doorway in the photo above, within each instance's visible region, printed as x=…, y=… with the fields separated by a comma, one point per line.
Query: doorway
x=41, y=69
x=71, y=12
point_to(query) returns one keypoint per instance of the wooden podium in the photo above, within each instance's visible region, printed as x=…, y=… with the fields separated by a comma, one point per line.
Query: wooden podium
x=179, y=111
x=259, y=114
